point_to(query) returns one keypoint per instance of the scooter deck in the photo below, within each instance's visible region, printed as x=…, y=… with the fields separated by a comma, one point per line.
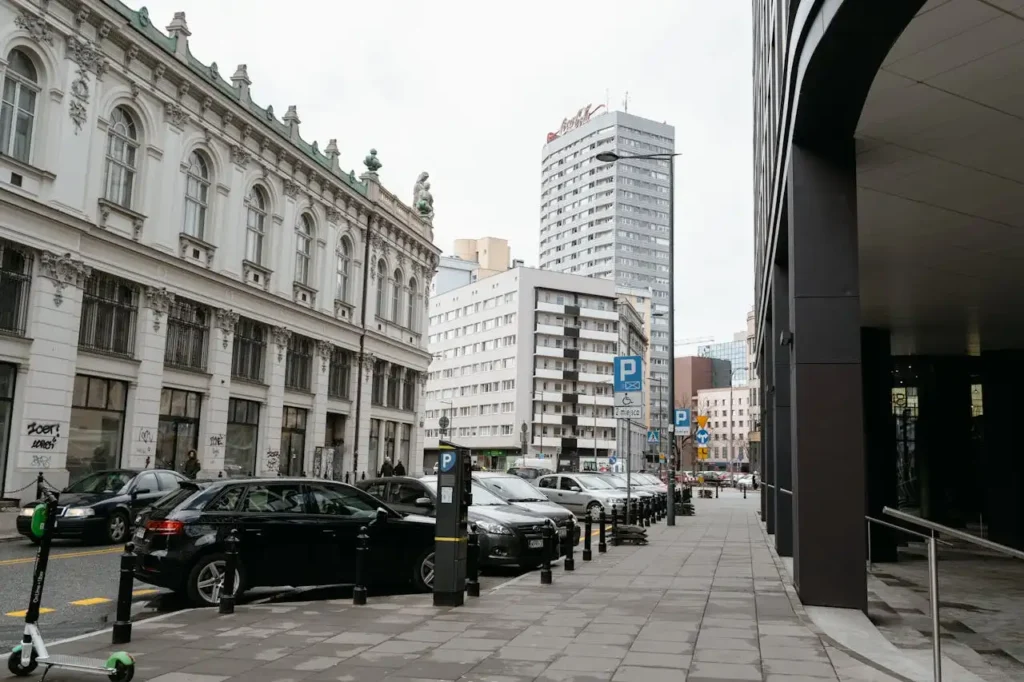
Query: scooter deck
x=81, y=663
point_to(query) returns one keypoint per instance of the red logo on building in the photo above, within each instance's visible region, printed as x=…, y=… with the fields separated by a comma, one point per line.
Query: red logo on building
x=569, y=124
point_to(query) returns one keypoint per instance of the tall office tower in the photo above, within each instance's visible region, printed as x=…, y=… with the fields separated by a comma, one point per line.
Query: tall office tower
x=610, y=220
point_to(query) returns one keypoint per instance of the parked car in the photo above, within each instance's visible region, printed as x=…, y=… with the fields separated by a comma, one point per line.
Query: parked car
x=581, y=493
x=293, y=532
x=529, y=473
x=652, y=483
x=509, y=536
x=640, y=489
x=521, y=493
x=101, y=506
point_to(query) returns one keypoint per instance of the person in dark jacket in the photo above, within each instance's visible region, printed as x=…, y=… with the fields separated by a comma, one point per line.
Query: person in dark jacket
x=387, y=469
x=399, y=469
x=192, y=466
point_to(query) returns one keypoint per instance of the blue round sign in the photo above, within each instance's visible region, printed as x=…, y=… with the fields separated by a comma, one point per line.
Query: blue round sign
x=612, y=460
x=702, y=437
x=447, y=461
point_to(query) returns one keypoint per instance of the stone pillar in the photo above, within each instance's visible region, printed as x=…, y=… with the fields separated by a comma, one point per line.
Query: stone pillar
x=318, y=417
x=354, y=380
x=270, y=460
x=781, y=409
x=880, y=434
x=416, y=455
x=362, y=447
x=213, y=428
x=827, y=435
x=943, y=435
x=1002, y=378
x=55, y=308
x=143, y=416
x=769, y=381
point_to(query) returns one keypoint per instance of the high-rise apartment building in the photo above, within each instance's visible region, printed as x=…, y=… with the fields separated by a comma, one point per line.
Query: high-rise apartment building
x=610, y=220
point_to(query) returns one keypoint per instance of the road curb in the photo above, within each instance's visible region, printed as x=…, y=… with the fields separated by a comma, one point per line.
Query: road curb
x=104, y=631
x=10, y=538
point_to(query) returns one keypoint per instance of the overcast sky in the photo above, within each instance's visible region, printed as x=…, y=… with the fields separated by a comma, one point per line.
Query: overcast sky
x=468, y=90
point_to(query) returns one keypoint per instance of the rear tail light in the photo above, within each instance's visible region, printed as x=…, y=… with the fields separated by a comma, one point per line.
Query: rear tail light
x=165, y=527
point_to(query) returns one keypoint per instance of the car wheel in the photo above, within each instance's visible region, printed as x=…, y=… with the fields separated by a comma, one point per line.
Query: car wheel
x=206, y=579
x=594, y=510
x=117, y=528
x=423, y=571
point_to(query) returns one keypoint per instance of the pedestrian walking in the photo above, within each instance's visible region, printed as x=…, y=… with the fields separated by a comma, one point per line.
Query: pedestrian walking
x=399, y=469
x=192, y=466
x=387, y=469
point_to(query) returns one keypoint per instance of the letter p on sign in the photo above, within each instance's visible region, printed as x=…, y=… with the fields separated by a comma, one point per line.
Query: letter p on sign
x=627, y=368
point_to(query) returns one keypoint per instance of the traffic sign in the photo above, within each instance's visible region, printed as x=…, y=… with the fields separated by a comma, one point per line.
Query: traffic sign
x=682, y=420
x=612, y=460
x=443, y=423
x=653, y=437
x=447, y=460
x=702, y=437
x=702, y=453
x=628, y=384
x=661, y=456
x=702, y=420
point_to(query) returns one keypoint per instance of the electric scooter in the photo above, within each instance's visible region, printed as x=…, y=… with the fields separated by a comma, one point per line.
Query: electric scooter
x=26, y=657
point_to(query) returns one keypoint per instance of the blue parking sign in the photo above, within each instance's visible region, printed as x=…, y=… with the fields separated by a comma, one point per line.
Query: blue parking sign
x=628, y=374
x=682, y=420
x=448, y=460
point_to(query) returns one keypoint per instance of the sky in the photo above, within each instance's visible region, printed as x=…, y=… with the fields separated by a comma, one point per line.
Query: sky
x=468, y=91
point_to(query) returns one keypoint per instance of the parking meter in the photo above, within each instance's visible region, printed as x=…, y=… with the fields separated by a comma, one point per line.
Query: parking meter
x=454, y=495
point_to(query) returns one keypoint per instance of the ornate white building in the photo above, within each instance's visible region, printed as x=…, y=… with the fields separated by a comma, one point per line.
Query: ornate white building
x=179, y=269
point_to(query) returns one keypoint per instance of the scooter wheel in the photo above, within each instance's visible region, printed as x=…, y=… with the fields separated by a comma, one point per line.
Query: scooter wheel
x=15, y=666
x=122, y=672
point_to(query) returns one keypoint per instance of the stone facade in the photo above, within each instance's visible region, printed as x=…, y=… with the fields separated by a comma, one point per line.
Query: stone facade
x=153, y=210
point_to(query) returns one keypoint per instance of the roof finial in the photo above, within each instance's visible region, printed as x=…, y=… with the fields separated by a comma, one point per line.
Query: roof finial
x=291, y=119
x=178, y=29
x=241, y=81
x=331, y=150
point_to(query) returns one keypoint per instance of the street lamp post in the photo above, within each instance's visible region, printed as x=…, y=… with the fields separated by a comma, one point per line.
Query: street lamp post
x=613, y=157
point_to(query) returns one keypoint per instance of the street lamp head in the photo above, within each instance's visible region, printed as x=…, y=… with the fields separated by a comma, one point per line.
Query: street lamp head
x=608, y=157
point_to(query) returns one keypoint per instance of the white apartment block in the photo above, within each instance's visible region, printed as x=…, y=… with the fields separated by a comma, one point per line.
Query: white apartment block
x=731, y=418
x=181, y=270
x=526, y=355
x=610, y=220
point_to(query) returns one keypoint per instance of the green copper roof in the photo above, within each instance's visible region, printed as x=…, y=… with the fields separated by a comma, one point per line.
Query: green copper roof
x=141, y=22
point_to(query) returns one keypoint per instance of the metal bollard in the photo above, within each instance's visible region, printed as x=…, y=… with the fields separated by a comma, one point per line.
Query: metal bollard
x=227, y=591
x=122, y=631
x=362, y=549
x=545, y=567
x=718, y=486
x=473, y=565
x=39, y=485
x=647, y=514
x=587, y=532
x=602, y=546
x=744, y=492
x=570, y=537
x=615, y=526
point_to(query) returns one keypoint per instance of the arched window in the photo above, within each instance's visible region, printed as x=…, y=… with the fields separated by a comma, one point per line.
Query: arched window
x=122, y=157
x=344, y=269
x=382, y=285
x=303, y=248
x=18, y=111
x=197, y=192
x=255, y=225
x=396, y=297
x=411, y=306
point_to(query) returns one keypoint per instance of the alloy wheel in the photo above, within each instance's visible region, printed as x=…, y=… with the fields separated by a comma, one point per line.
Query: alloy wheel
x=427, y=570
x=117, y=528
x=210, y=581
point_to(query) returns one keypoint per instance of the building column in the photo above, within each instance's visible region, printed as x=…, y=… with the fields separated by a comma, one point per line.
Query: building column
x=359, y=455
x=781, y=429
x=355, y=376
x=1002, y=378
x=943, y=435
x=214, y=424
x=143, y=418
x=418, y=421
x=769, y=382
x=269, y=462
x=880, y=432
x=321, y=373
x=40, y=440
x=827, y=435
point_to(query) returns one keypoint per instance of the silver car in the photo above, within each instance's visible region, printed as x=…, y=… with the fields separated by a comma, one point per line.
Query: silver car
x=640, y=488
x=581, y=493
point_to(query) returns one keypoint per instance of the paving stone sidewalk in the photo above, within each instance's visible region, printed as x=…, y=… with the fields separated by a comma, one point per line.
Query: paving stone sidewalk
x=703, y=601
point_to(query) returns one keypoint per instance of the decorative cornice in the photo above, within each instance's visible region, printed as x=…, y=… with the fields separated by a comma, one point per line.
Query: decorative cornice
x=63, y=270
x=291, y=188
x=176, y=115
x=227, y=320
x=240, y=155
x=36, y=27
x=368, y=361
x=86, y=55
x=160, y=301
x=325, y=349
x=281, y=335
x=333, y=215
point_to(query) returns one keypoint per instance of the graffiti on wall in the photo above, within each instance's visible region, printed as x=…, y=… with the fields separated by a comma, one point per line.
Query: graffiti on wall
x=273, y=461
x=45, y=436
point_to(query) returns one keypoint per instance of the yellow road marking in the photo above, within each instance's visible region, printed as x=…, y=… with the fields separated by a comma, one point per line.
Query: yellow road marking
x=90, y=601
x=21, y=614
x=139, y=593
x=63, y=555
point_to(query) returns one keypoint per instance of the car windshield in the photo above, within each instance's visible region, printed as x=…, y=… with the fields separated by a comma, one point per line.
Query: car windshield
x=652, y=478
x=594, y=482
x=482, y=497
x=102, y=482
x=616, y=481
x=513, y=489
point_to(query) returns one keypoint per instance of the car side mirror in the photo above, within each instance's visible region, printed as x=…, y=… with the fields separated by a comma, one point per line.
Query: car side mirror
x=575, y=489
x=423, y=502
x=140, y=491
x=382, y=515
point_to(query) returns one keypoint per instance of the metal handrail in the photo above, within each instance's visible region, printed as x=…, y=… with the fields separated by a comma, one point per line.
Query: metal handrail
x=952, y=532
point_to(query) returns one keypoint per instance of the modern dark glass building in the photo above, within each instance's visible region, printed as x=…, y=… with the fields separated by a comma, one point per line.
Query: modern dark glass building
x=889, y=228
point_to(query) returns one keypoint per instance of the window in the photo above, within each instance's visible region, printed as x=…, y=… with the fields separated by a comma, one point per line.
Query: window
x=344, y=269
x=17, y=113
x=122, y=157
x=409, y=390
x=241, y=437
x=371, y=456
x=281, y=498
x=197, y=189
x=410, y=317
x=178, y=430
x=382, y=283
x=188, y=329
x=303, y=248
x=250, y=348
x=339, y=377
x=394, y=385
x=97, y=425
x=293, y=441
x=377, y=387
x=298, y=372
x=255, y=224
x=396, y=297
x=343, y=502
x=109, y=305
x=404, y=447
x=15, y=279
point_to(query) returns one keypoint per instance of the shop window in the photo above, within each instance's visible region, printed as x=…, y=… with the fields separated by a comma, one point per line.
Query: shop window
x=97, y=425
x=241, y=438
x=405, y=446
x=188, y=335
x=389, y=441
x=250, y=350
x=374, y=447
x=178, y=430
x=298, y=372
x=109, y=306
x=293, y=441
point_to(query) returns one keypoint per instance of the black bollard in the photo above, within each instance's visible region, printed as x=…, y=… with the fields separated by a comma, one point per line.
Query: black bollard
x=122, y=631
x=362, y=549
x=587, y=532
x=570, y=537
x=473, y=565
x=744, y=492
x=39, y=485
x=717, y=486
x=227, y=590
x=615, y=525
x=545, y=567
x=647, y=513
x=602, y=546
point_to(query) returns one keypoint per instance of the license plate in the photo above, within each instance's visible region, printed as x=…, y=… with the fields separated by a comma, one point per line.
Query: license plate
x=536, y=544
x=140, y=533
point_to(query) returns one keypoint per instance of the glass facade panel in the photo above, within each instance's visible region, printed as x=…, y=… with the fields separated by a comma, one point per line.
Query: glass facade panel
x=97, y=425
x=241, y=438
x=293, y=441
x=178, y=429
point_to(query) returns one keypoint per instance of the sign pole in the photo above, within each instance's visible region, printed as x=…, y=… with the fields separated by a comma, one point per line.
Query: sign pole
x=629, y=468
